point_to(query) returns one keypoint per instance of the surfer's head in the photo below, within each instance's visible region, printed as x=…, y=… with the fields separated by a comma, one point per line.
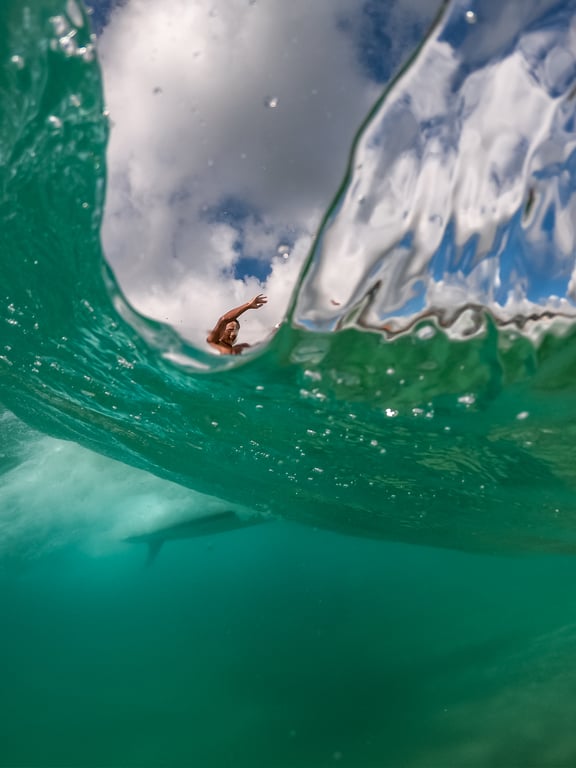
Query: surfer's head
x=230, y=333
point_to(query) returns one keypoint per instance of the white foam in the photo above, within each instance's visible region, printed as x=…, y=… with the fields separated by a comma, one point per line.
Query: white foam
x=61, y=494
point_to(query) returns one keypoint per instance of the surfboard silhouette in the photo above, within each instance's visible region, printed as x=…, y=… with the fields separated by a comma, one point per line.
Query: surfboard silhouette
x=199, y=525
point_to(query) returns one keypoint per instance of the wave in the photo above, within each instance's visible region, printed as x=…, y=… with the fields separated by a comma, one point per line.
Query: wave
x=421, y=386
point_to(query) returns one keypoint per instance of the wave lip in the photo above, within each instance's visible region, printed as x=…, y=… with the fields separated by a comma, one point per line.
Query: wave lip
x=460, y=189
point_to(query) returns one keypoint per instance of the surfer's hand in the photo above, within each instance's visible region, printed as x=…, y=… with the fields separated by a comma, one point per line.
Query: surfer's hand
x=257, y=301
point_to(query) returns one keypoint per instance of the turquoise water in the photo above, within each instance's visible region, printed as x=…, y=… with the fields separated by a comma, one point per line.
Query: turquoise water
x=287, y=646
x=277, y=645
x=402, y=460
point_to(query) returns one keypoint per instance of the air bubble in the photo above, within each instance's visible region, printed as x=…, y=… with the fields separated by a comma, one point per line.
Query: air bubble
x=68, y=44
x=471, y=17
x=426, y=332
x=60, y=25
x=74, y=13
x=271, y=102
x=284, y=251
x=17, y=61
x=522, y=415
x=87, y=53
x=467, y=399
x=54, y=122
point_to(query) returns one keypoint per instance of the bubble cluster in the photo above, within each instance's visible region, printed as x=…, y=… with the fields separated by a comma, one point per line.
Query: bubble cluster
x=66, y=41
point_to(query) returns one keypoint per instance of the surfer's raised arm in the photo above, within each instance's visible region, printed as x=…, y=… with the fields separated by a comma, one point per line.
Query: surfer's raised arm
x=225, y=332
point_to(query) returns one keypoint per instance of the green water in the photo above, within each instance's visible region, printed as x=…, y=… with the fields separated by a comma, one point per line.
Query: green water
x=289, y=647
x=323, y=636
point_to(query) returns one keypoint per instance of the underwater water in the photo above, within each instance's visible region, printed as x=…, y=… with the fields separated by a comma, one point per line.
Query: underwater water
x=360, y=536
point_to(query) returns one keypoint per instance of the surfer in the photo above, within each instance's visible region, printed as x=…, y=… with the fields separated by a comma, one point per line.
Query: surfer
x=223, y=336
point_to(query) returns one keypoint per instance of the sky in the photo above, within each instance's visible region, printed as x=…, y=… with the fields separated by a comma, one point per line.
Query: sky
x=464, y=191
x=231, y=125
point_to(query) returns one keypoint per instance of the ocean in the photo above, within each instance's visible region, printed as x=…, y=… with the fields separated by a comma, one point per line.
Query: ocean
x=352, y=545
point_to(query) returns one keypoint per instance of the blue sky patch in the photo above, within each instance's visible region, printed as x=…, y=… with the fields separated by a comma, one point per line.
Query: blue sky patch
x=101, y=10
x=239, y=215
